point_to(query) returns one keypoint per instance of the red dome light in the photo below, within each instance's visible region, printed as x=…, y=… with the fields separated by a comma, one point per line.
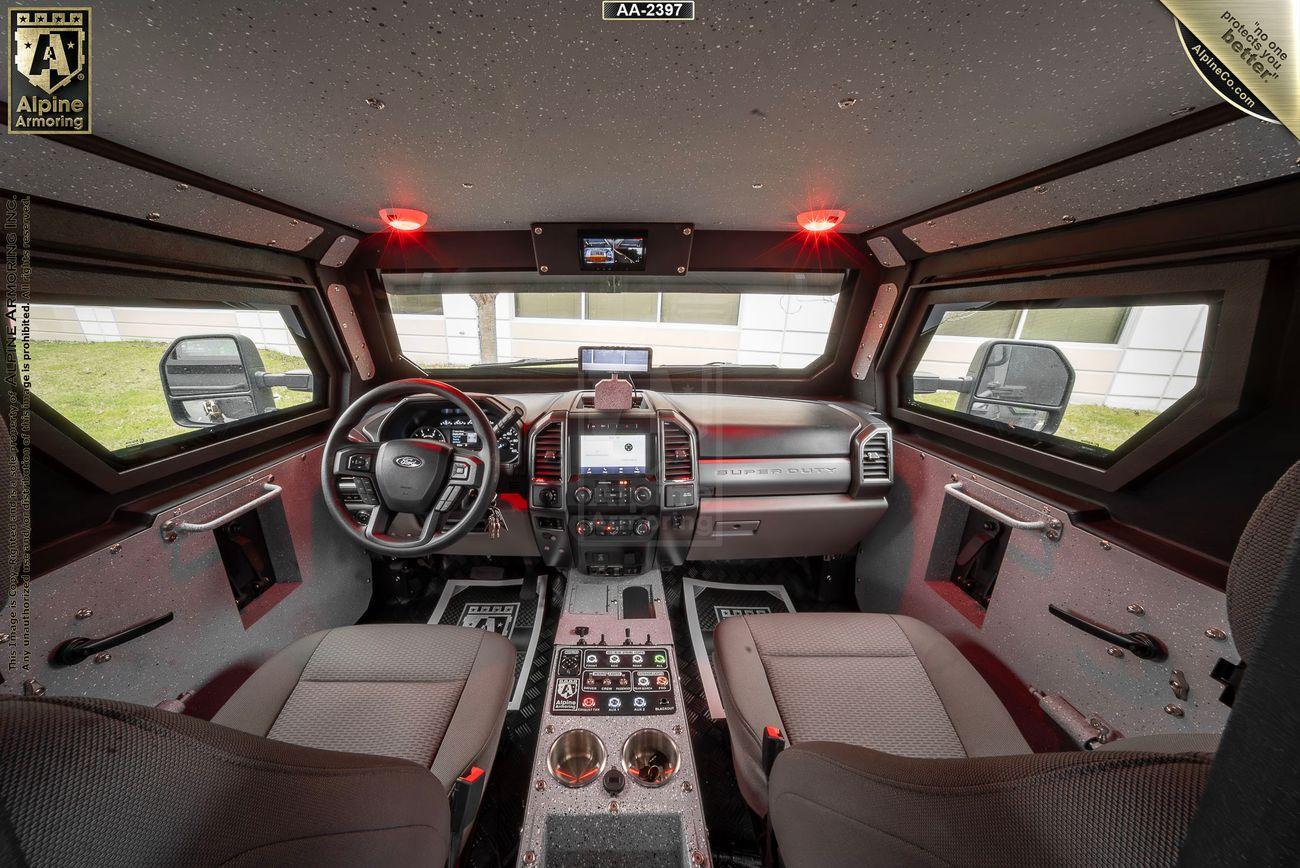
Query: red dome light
x=403, y=219
x=821, y=220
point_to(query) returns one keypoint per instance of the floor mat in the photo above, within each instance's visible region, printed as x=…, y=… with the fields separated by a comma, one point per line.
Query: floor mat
x=710, y=603
x=509, y=607
x=494, y=840
x=733, y=836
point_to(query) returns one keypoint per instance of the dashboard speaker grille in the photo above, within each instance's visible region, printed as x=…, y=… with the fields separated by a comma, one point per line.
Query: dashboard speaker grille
x=677, y=453
x=875, y=458
x=548, y=453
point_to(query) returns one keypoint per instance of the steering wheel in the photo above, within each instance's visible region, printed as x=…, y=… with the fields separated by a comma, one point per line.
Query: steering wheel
x=422, y=478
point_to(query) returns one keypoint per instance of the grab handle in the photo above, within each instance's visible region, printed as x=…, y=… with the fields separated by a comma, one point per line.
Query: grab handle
x=1050, y=526
x=171, y=528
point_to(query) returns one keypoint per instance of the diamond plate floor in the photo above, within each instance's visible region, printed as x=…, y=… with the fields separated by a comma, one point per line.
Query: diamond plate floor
x=495, y=839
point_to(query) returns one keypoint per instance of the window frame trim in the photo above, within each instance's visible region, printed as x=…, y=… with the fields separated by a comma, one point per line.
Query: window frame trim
x=1216, y=396
x=101, y=285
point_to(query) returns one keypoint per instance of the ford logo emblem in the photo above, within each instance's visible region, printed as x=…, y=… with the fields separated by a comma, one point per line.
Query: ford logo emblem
x=408, y=461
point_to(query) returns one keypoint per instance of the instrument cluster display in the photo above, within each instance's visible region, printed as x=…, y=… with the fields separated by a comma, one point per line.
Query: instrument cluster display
x=450, y=425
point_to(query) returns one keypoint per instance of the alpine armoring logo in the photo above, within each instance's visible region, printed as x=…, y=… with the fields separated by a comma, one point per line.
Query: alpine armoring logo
x=49, y=71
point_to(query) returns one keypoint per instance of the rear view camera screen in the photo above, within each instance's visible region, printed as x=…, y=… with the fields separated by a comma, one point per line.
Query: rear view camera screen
x=613, y=254
x=611, y=453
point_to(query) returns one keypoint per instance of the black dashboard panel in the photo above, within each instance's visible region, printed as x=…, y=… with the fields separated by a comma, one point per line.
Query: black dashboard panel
x=737, y=426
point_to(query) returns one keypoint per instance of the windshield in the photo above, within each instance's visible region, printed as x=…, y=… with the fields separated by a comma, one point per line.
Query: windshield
x=779, y=320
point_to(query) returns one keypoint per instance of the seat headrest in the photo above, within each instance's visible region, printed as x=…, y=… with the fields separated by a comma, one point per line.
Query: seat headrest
x=1268, y=549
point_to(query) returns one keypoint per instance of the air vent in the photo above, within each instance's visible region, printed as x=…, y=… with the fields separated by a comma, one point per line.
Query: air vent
x=677, y=453
x=875, y=457
x=548, y=454
x=587, y=401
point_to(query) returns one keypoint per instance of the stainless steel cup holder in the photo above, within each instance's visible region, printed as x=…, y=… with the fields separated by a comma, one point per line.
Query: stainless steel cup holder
x=576, y=758
x=650, y=757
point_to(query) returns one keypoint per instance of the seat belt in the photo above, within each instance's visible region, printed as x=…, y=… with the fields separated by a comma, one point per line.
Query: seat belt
x=466, y=794
x=773, y=743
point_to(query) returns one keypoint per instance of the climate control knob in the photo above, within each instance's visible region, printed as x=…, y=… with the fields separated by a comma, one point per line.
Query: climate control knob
x=582, y=494
x=642, y=494
x=642, y=527
x=582, y=528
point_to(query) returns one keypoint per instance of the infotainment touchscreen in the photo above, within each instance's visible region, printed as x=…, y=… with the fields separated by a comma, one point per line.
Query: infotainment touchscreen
x=612, y=453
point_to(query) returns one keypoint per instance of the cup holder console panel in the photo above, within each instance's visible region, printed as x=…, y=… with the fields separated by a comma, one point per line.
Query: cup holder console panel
x=650, y=757
x=576, y=758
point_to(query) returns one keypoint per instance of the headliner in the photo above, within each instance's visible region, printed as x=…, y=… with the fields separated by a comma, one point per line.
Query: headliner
x=554, y=115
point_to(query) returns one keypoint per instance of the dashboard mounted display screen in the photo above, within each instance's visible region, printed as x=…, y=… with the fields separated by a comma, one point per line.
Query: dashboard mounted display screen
x=612, y=254
x=614, y=360
x=612, y=454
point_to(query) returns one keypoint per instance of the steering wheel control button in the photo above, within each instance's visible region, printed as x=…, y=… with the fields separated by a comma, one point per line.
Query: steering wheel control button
x=461, y=471
x=448, y=498
x=359, y=462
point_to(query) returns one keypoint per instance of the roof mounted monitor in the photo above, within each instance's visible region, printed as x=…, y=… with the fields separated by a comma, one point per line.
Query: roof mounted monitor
x=614, y=360
x=591, y=249
x=602, y=253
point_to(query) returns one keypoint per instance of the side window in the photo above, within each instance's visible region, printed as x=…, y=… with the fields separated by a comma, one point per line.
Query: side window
x=1088, y=374
x=131, y=376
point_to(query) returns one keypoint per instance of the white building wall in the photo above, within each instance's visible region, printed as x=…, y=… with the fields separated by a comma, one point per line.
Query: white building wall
x=1162, y=355
x=161, y=325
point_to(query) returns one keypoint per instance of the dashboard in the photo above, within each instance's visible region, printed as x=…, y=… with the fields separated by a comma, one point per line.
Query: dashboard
x=678, y=477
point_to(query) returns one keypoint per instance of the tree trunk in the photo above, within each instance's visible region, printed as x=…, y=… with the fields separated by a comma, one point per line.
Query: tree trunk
x=487, y=325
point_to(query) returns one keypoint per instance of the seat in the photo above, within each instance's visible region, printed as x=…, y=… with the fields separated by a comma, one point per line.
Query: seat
x=885, y=682
x=322, y=757
x=896, y=799
x=434, y=695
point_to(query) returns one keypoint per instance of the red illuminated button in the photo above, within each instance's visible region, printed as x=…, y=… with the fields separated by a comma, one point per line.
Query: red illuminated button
x=588, y=702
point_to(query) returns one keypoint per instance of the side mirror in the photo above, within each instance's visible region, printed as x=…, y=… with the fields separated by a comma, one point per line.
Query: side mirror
x=214, y=379
x=1019, y=383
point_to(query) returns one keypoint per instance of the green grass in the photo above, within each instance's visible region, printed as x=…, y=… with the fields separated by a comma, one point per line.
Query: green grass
x=1106, y=427
x=111, y=391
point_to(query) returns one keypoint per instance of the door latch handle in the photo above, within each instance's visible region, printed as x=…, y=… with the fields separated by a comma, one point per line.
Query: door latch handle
x=72, y=651
x=1139, y=644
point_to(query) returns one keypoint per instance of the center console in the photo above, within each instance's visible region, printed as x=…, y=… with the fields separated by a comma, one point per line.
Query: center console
x=614, y=780
x=613, y=493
